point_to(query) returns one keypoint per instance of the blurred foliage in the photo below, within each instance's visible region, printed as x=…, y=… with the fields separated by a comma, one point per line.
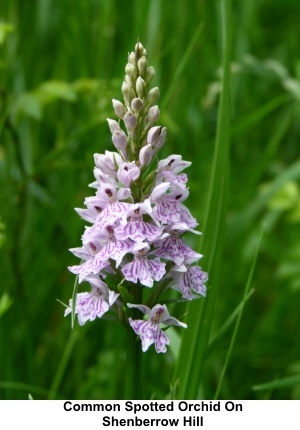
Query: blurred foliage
x=61, y=64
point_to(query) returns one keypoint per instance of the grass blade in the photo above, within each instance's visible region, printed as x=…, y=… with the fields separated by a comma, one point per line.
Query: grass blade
x=236, y=327
x=181, y=66
x=255, y=207
x=227, y=324
x=62, y=365
x=279, y=383
x=74, y=297
x=190, y=366
x=19, y=386
x=253, y=118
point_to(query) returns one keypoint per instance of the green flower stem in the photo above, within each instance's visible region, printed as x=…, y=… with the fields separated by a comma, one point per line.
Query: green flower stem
x=134, y=353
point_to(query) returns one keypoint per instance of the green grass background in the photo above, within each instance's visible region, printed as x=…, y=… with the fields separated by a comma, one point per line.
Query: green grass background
x=61, y=64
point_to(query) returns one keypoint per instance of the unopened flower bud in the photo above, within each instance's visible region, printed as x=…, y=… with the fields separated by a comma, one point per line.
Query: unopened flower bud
x=119, y=139
x=132, y=58
x=153, y=115
x=150, y=72
x=130, y=121
x=142, y=65
x=153, y=96
x=145, y=156
x=126, y=92
x=137, y=105
x=140, y=50
x=118, y=108
x=140, y=87
x=100, y=162
x=131, y=71
x=113, y=125
x=153, y=135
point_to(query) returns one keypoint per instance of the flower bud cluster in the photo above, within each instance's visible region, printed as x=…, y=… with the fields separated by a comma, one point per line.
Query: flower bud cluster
x=137, y=219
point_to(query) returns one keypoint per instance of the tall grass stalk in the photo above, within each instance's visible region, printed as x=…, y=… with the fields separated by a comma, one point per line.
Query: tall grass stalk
x=190, y=367
x=63, y=365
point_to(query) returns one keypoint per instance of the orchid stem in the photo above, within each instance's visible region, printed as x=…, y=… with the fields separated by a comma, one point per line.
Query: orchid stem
x=134, y=353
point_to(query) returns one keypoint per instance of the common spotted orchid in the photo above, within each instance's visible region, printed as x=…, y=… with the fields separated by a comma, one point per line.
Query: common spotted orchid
x=134, y=248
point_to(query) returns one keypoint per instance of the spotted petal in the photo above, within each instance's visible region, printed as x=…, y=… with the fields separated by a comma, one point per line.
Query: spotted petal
x=89, y=306
x=145, y=270
x=173, y=248
x=138, y=230
x=188, y=279
x=150, y=333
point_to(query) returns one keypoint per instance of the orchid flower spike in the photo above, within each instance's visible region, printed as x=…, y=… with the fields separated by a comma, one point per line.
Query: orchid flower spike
x=137, y=219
